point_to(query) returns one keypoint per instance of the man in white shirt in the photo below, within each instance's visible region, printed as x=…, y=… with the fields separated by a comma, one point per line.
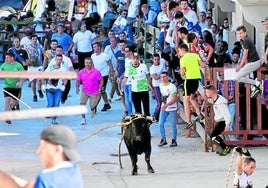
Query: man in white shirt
x=169, y=108
x=245, y=166
x=141, y=82
x=163, y=24
x=155, y=71
x=133, y=12
x=120, y=23
x=26, y=40
x=103, y=64
x=126, y=91
x=189, y=14
x=68, y=65
x=202, y=20
x=111, y=50
x=82, y=43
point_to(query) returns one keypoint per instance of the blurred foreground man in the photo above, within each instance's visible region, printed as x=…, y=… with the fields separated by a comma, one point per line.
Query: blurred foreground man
x=57, y=152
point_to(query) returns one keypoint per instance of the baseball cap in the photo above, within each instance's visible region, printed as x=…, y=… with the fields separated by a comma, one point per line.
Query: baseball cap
x=265, y=20
x=64, y=136
x=136, y=55
x=60, y=24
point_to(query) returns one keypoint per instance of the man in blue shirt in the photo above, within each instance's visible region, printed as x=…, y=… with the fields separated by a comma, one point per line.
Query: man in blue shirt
x=57, y=152
x=149, y=16
x=63, y=39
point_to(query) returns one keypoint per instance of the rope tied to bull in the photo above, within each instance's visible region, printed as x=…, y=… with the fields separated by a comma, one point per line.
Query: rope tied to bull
x=126, y=121
x=124, y=125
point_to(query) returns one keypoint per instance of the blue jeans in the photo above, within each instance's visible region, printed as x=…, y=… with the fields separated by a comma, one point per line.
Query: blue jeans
x=172, y=120
x=128, y=98
x=53, y=98
x=130, y=28
x=231, y=107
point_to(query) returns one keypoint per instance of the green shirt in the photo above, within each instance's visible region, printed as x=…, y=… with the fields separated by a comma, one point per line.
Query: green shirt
x=138, y=77
x=11, y=82
x=190, y=61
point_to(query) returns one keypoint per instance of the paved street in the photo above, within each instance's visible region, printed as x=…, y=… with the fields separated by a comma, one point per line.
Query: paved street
x=183, y=166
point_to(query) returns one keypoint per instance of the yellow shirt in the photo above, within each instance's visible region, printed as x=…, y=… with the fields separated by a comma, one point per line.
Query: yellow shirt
x=190, y=61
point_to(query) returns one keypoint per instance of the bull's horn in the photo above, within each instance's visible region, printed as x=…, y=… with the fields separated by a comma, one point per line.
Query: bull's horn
x=151, y=118
x=125, y=124
x=127, y=118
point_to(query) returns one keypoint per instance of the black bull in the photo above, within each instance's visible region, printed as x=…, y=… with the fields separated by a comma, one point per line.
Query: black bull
x=137, y=138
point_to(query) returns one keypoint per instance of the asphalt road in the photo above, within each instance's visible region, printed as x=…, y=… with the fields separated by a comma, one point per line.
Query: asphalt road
x=183, y=166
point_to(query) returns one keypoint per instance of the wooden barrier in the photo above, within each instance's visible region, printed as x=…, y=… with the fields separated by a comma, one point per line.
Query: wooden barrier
x=28, y=74
x=250, y=125
x=43, y=112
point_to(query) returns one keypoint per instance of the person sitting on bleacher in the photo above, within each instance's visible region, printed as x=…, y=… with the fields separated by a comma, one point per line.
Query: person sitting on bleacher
x=121, y=22
x=188, y=13
x=182, y=21
x=133, y=14
x=163, y=24
x=109, y=17
x=149, y=16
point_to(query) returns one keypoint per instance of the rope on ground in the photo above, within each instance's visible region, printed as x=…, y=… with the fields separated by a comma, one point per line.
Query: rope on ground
x=106, y=174
x=101, y=130
x=230, y=168
x=104, y=163
x=96, y=163
x=13, y=96
x=98, y=131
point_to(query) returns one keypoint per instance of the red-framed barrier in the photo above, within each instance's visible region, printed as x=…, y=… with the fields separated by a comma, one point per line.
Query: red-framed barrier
x=251, y=121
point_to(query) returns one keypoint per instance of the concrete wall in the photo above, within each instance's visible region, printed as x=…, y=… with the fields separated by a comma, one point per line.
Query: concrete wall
x=245, y=12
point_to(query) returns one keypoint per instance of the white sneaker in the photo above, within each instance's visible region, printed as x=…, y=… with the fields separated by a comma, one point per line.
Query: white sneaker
x=260, y=85
x=83, y=122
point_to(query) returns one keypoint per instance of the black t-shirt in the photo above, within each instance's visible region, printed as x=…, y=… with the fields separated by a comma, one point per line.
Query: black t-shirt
x=20, y=55
x=221, y=59
x=247, y=43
